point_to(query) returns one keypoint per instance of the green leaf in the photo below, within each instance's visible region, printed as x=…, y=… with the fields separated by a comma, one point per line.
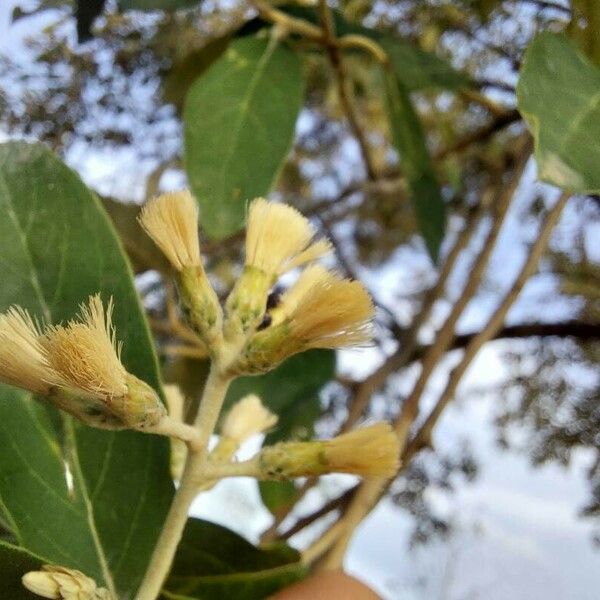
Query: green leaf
x=213, y=562
x=416, y=165
x=57, y=247
x=559, y=96
x=14, y=563
x=420, y=70
x=183, y=73
x=292, y=392
x=168, y=5
x=239, y=122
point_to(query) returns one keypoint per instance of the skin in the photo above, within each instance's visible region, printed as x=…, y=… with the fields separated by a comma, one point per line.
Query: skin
x=325, y=586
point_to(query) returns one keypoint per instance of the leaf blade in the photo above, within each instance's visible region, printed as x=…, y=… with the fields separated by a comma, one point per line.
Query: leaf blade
x=57, y=246
x=236, y=134
x=416, y=165
x=566, y=130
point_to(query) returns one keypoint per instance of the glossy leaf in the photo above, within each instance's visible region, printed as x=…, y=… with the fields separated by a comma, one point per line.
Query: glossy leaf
x=416, y=165
x=214, y=562
x=57, y=247
x=14, y=563
x=239, y=122
x=420, y=70
x=292, y=392
x=559, y=97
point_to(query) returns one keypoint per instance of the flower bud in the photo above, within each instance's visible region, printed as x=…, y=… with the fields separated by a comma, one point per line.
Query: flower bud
x=60, y=583
x=322, y=310
x=246, y=418
x=171, y=220
x=278, y=239
x=371, y=451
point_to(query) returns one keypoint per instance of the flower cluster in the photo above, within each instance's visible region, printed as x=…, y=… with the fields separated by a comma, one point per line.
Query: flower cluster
x=78, y=367
x=322, y=310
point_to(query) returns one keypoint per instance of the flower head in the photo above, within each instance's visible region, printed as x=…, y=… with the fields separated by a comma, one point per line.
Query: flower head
x=171, y=220
x=371, y=451
x=58, y=583
x=279, y=238
x=23, y=357
x=322, y=310
x=248, y=417
x=85, y=352
x=78, y=367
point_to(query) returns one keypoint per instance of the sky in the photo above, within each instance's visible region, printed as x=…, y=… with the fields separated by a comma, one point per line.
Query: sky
x=517, y=535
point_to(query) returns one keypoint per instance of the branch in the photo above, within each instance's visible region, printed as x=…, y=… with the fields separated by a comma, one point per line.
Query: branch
x=371, y=490
x=337, y=503
x=481, y=135
x=344, y=86
x=408, y=340
x=574, y=328
x=446, y=334
x=489, y=331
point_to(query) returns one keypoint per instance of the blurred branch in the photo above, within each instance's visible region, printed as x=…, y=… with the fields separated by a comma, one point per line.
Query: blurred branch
x=370, y=491
x=344, y=86
x=287, y=22
x=446, y=334
x=480, y=135
x=409, y=338
x=491, y=329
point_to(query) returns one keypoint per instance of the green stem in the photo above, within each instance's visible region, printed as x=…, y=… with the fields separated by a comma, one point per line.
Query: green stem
x=170, y=536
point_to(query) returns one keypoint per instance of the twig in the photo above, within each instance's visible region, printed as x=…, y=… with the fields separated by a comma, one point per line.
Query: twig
x=287, y=22
x=336, y=504
x=320, y=547
x=492, y=328
x=446, y=334
x=369, y=492
x=344, y=86
x=481, y=135
x=408, y=340
x=170, y=536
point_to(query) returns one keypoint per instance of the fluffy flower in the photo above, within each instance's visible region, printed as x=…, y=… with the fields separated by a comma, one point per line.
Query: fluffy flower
x=371, y=451
x=77, y=366
x=23, y=358
x=171, y=220
x=86, y=354
x=322, y=310
x=279, y=238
